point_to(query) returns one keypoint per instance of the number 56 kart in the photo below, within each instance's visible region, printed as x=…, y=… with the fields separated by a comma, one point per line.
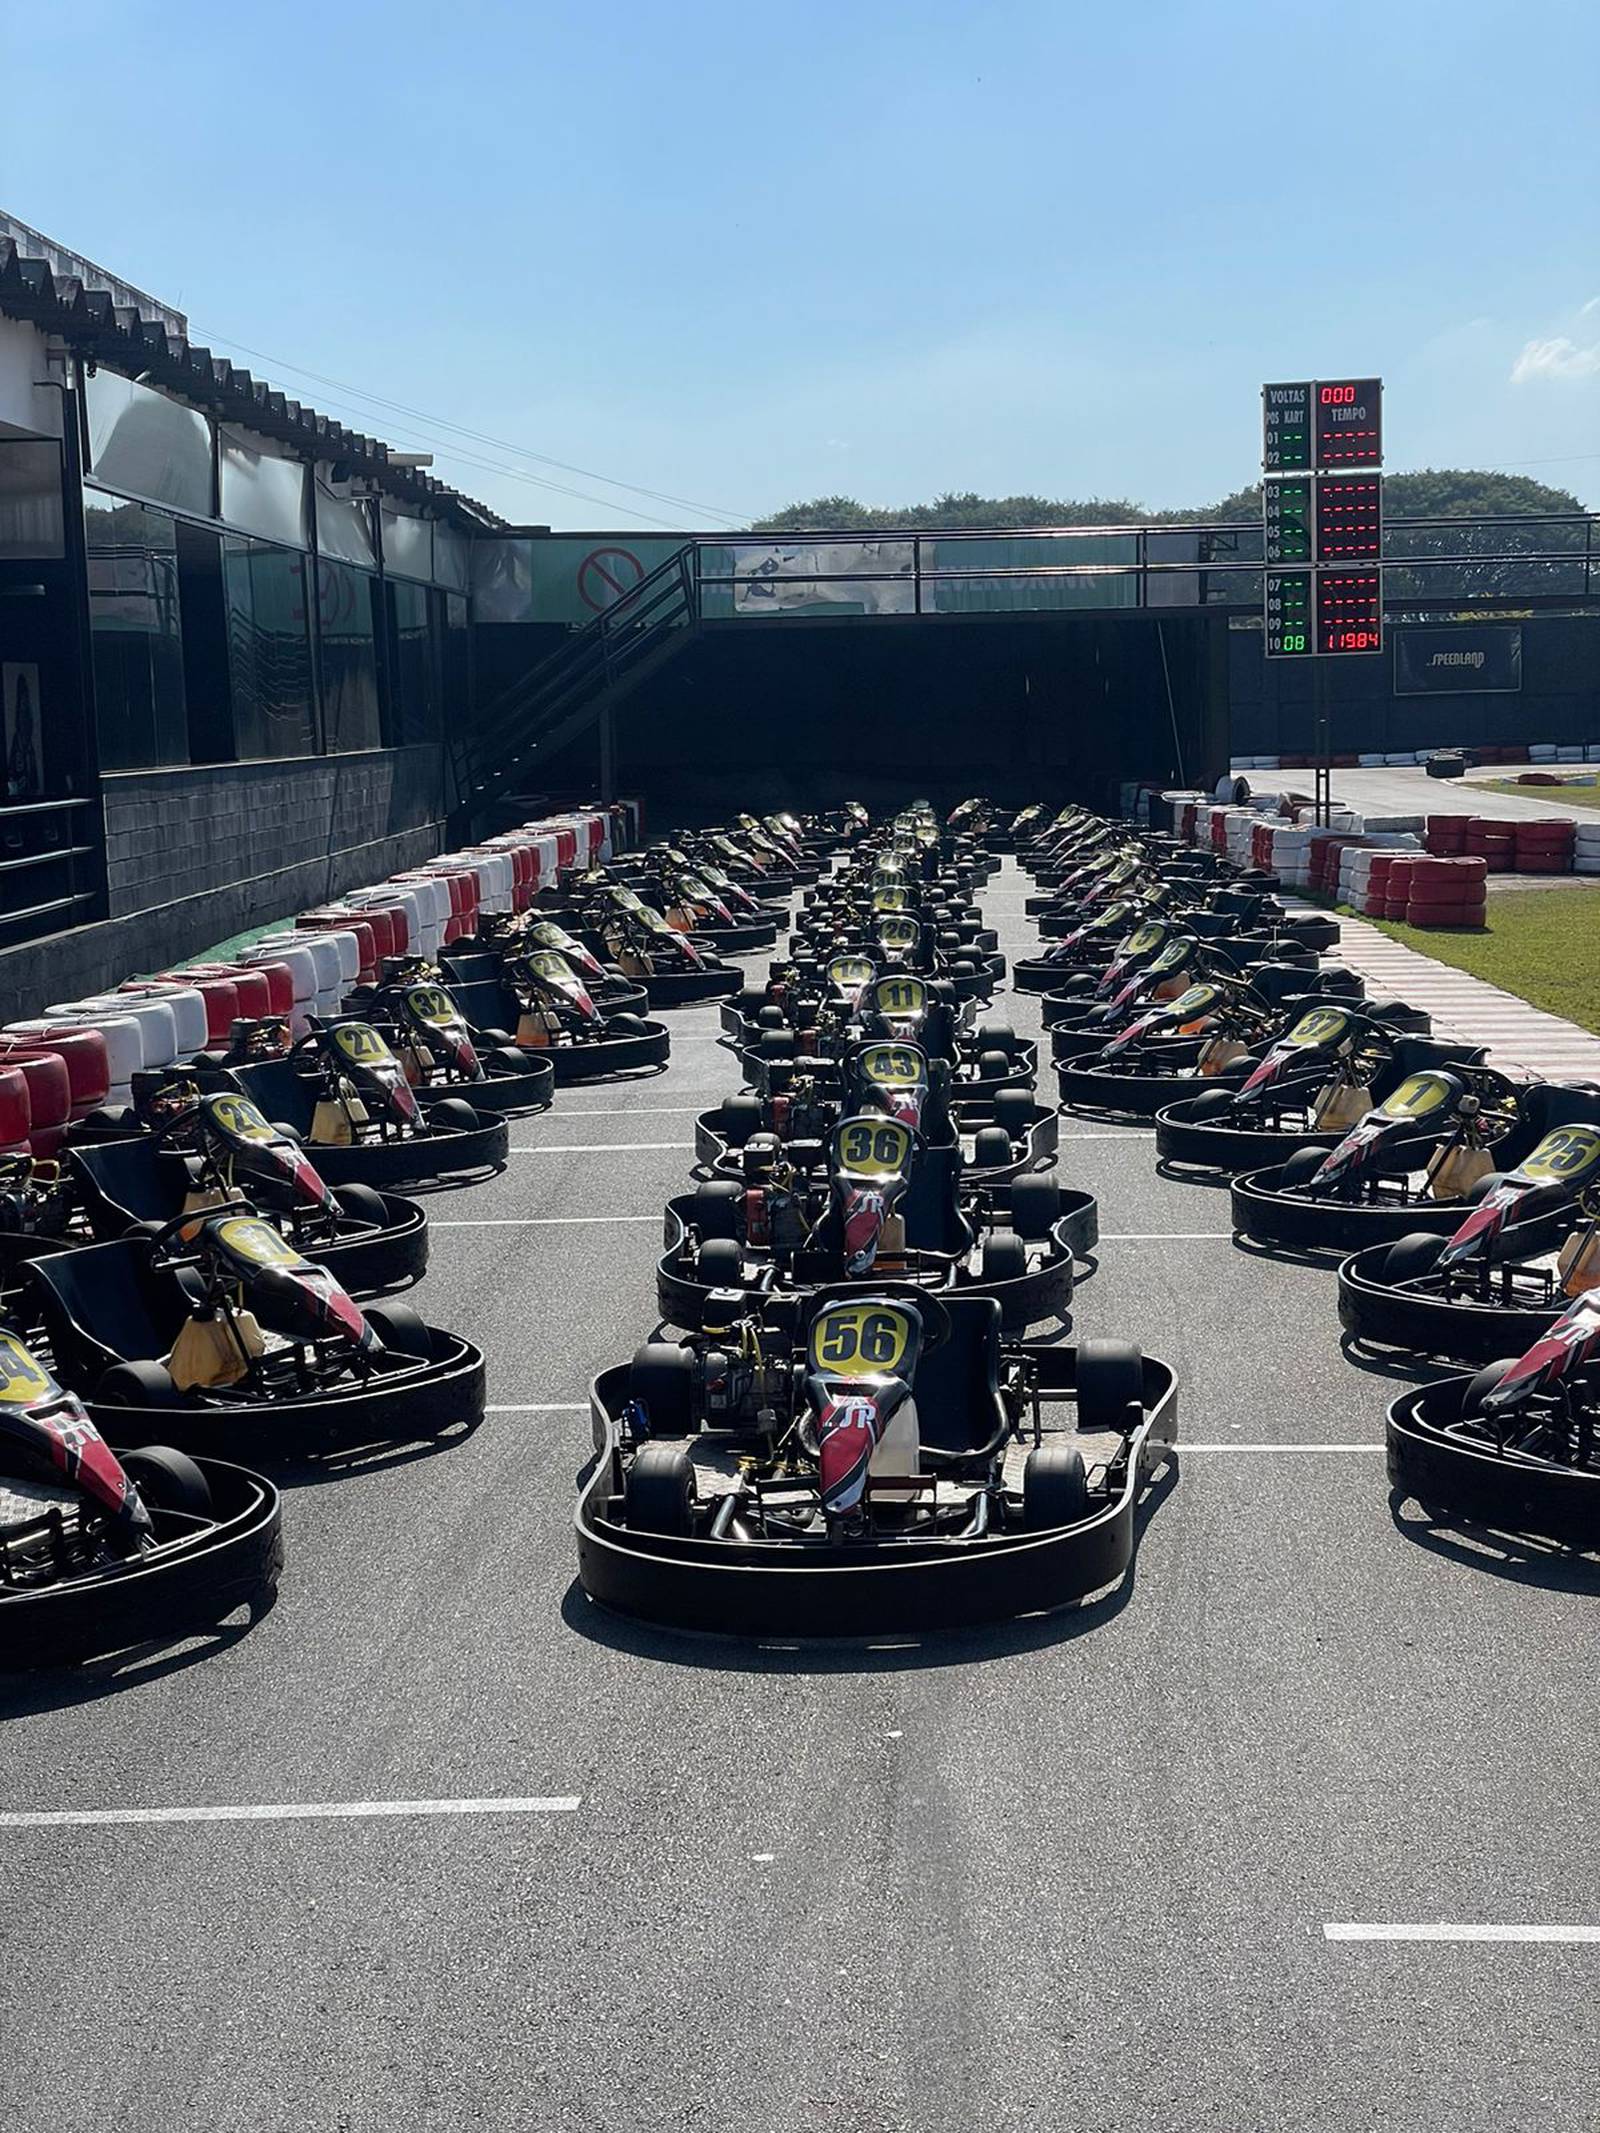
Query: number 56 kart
x=890, y=1465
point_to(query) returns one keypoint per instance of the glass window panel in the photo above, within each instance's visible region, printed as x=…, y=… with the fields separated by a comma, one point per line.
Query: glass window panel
x=261, y=494
x=452, y=559
x=147, y=445
x=31, y=526
x=414, y=705
x=351, y=703
x=502, y=581
x=269, y=649
x=136, y=628
x=344, y=528
x=407, y=544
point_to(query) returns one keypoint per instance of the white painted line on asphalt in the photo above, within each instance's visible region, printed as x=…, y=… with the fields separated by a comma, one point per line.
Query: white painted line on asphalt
x=298, y=1811
x=1104, y=1137
x=1446, y=1931
x=541, y=1407
x=630, y=1111
x=1166, y=1236
x=1293, y=1448
x=541, y=1221
x=601, y=1147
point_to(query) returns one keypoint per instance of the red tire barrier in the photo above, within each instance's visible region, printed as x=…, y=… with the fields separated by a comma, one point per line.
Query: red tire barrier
x=82, y=1052
x=16, y=1113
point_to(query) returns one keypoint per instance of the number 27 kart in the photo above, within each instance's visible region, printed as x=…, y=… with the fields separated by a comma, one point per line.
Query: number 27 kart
x=889, y=1465
x=101, y=1551
x=217, y=1335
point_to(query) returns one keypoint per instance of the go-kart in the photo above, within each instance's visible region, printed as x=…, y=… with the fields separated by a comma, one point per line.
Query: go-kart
x=1516, y=1447
x=674, y=970
x=885, y=1464
x=721, y=914
x=1527, y=1245
x=1303, y=1088
x=870, y=1203
x=442, y=1054
x=1418, y=1163
x=557, y=1017
x=207, y=1141
x=485, y=964
x=215, y=1333
x=101, y=1551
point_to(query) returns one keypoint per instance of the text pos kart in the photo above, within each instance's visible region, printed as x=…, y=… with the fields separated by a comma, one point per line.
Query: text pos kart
x=101, y=1550
x=886, y=1464
x=216, y=1334
x=870, y=1204
x=205, y=1142
x=1409, y=1167
x=1527, y=1246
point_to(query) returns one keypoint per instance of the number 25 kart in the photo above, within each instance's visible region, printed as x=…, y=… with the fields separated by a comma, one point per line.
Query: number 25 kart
x=888, y=1465
x=870, y=1204
x=1419, y=1163
x=1517, y=1447
x=207, y=1143
x=99, y=1550
x=218, y=1334
x=1529, y=1244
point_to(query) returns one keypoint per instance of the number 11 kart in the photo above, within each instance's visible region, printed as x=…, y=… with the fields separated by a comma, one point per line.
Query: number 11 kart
x=99, y=1550
x=888, y=1465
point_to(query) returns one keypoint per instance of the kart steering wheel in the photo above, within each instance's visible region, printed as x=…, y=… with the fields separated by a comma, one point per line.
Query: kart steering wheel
x=928, y=1306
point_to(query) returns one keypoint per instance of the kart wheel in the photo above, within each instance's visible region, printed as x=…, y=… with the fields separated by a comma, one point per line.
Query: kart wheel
x=168, y=1480
x=501, y=1040
x=112, y=1118
x=1486, y=1185
x=508, y=1059
x=741, y=1116
x=991, y=1148
x=1487, y=1380
x=963, y=967
x=1210, y=1103
x=1409, y=1257
x=996, y=1037
x=627, y=1026
x=359, y=1203
x=1055, y=1487
x=776, y=1044
x=661, y=1379
x=993, y=1066
x=399, y=1328
x=1110, y=1380
x=720, y=1264
x=1013, y=1109
x=1004, y=1257
x=1035, y=1206
x=770, y=1017
x=142, y=1383
x=290, y=1133
x=1301, y=1167
x=454, y=1116
x=716, y=1208
x=658, y=1495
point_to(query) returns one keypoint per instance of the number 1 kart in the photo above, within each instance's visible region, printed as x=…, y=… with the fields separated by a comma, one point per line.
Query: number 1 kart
x=887, y=1464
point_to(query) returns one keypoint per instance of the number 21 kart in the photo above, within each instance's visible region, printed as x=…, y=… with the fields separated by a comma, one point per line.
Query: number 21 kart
x=889, y=1465
x=99, y=1550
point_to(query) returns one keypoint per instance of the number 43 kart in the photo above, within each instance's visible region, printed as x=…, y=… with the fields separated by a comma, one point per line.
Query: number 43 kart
x=888, y=1466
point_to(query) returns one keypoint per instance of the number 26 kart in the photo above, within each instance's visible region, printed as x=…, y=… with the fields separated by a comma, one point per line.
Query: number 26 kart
x=888, y=1464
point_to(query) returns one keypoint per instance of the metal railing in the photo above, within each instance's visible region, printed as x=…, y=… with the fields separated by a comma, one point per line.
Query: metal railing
x=51, y=867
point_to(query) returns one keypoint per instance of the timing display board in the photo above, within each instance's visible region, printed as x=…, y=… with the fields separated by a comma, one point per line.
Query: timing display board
x=1286, y=428
x=1288, y=614
x=1287, y=528
x=1348, y=518
x=1348, y=429
x=1350, y=610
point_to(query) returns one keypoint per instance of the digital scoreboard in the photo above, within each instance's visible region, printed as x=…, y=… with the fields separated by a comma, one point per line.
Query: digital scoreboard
x=1322, y=515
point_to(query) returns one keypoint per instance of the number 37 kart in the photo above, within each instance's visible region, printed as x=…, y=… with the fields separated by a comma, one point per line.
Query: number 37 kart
x=889, y=1465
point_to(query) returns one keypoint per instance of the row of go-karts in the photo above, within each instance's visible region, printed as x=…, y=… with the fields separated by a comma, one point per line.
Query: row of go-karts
x=1464, y=1206
x=837, y=1428
x=205, y=1275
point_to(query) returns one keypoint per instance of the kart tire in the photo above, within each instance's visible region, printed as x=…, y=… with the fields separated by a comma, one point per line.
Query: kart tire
x=770, y=1017
x=141, y=1383
x=661, y=1379
x=1004, y=1256
x=1035, y=1206
x=1013, y=1109
x=741, y=1116
x=963, y=967
x=627, y=1026
x=508, y=1059
x=359, y=1203
x=501, y=1040
x=991, y=1148
x=993, y=1066
x=1485, y=1382
x=716, y=1208
x=775, y=1044
x=1410, y=1256
x=168, y=1480
x=1110, y=1380
x=996, y=1037
x=454, y=1116
x=1301, y=1167
x=658, y=1494
x=399, y=1328
x=720, y=1264
x=1055, y=1487
x=1485, y=1185
x=290, y=1133
x=1210, y=1103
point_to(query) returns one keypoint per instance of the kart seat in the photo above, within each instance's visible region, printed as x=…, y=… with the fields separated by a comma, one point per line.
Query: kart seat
x=1544, y=1105
x=1412, y=1055
x=107, y=1303
x=960, y=1413
x=129, y=1181
x=280, y=1093
x=485, y=999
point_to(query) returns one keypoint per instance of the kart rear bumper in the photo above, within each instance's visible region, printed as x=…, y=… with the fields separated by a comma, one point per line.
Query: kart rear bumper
x=414, y=1159
x=607, y=1058
x=1506, y=1491
x=1381, y=1315
x=1204, y=1144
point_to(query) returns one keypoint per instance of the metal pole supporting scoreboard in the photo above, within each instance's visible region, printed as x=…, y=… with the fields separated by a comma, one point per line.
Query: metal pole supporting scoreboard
x=1322, y=533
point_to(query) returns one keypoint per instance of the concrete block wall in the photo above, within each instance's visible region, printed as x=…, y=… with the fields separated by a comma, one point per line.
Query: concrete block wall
x=194, y=856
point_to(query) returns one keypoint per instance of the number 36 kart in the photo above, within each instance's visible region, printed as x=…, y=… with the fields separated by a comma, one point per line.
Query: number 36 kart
x=888, y=1465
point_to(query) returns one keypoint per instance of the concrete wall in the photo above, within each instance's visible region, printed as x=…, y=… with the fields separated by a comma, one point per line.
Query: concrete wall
x=196, y=855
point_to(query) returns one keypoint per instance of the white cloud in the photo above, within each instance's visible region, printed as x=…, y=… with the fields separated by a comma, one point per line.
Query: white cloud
x=1557, y=357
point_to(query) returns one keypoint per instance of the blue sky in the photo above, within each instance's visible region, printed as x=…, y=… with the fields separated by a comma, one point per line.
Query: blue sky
x=745, y=254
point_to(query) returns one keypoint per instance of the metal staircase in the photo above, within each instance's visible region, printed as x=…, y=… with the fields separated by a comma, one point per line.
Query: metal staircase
x=504, y=748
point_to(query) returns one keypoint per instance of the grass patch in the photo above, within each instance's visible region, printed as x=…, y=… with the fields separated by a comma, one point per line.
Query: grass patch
x=1545, y=948
x=1568, y=793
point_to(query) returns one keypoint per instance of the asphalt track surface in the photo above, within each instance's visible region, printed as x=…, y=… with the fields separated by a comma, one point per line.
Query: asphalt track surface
x=1070, y=1874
